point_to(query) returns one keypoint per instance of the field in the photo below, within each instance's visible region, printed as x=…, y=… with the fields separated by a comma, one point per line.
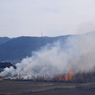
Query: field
x=28, y=87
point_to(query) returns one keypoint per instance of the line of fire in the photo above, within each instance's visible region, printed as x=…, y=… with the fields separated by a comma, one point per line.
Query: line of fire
x=69, y=77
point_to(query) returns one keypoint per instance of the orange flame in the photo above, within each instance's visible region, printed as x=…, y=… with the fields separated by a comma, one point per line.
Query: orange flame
x=69, y=76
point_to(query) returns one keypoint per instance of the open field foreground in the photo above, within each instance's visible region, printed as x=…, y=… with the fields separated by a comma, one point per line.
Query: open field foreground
x=19, y=87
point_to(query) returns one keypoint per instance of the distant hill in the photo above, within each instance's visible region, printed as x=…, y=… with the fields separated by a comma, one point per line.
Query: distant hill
x=15, y=49
x=4, y=39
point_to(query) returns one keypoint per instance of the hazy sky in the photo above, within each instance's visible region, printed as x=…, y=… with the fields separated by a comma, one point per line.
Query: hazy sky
x=51, y=17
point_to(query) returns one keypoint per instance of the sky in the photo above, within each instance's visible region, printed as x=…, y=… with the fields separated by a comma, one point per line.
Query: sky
x=46, y=17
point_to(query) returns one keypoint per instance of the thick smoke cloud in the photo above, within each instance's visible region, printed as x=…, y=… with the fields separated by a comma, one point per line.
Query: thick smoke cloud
x=77, y=52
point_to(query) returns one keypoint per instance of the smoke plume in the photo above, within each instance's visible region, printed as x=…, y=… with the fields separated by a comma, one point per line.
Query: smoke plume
x=77, y=52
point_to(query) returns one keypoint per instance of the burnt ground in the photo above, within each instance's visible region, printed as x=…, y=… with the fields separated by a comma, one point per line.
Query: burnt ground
x=20, y=87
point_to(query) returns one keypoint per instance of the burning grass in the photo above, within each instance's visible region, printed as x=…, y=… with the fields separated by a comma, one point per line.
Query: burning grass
x=69, y=77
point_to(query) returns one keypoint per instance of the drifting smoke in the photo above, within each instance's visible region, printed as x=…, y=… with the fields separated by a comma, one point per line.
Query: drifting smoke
x=78, y=53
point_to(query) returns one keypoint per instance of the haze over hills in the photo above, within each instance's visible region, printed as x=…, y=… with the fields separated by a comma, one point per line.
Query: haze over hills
x=15, y=49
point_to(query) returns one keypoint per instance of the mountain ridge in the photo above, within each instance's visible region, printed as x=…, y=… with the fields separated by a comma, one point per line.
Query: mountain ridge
x=15, y=49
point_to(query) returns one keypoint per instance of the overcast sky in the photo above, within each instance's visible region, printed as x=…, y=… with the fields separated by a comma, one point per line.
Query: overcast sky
x=51, y=17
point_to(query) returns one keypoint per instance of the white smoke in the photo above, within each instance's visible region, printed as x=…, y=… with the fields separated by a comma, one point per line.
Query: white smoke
x=78, y=53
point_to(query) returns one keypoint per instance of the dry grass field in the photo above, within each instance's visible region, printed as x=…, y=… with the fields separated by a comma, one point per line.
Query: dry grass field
x=23, y=87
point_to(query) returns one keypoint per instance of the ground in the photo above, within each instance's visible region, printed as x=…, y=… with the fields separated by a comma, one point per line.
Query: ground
x=28, y=87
